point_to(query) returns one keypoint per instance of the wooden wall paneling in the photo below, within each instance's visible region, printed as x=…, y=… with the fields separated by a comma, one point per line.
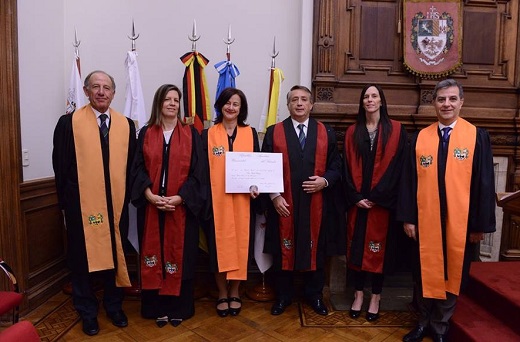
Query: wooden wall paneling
x=45, y=240
x=10, y=146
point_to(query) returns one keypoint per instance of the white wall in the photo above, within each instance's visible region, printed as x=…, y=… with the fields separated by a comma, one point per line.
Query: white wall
x=46, y=33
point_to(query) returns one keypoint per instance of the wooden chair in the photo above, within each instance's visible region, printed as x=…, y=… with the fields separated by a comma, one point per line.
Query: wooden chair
x=10, y=300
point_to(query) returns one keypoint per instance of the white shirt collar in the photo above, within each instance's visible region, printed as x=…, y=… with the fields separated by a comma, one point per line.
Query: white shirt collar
x=441, y=126
x=296, y=123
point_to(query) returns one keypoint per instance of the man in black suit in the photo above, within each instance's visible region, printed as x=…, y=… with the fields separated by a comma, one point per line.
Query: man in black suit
x=302, y=220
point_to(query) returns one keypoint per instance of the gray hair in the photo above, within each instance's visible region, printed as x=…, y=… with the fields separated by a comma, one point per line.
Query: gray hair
x=87, y=79
x=447, y=83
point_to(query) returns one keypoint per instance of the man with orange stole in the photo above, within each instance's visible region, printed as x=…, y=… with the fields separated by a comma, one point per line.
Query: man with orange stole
x=303, y=221
x=92, y=155
x=447, y=203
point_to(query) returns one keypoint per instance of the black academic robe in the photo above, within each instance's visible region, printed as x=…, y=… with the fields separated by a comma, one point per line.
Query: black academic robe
x=331, y=240
x=384, y=194
x=482, y=196
x=193, y=194
x=208, y=224
x=66, y=177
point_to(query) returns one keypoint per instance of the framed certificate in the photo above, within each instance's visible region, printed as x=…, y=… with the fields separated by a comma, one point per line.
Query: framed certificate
x=254, y=169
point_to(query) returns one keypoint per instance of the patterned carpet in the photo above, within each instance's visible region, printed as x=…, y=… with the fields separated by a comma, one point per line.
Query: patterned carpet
x=341, y=319
x=56, y=324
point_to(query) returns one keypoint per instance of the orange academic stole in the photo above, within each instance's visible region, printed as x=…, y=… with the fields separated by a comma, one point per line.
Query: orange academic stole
x=91, y=179
x=459, y=165
x=230, y=211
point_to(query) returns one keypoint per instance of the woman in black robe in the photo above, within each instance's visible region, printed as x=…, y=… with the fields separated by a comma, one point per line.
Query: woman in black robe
x=374, y=149
x=168, y=190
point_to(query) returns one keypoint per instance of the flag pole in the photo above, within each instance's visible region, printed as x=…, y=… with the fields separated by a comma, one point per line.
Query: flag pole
x=135, y=289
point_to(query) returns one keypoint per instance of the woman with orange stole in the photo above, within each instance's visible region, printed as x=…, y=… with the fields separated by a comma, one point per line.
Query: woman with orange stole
x=229, y=218
x=168, y=190
x=374, y=149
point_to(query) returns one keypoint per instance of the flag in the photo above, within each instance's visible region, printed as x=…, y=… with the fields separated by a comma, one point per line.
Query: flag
x=134, y=99
x=270, y=110
x=196, y=102
x=263, y=260
x=135, y=110
x=75, y=96
x=228, y=72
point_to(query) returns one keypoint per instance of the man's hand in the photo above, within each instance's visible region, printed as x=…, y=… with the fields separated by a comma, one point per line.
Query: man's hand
x=281, y=206
x=476, y=237
x=410, y=230
x=315, y=184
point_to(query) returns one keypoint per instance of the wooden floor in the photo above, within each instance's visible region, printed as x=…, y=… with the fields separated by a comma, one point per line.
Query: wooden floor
x=255, y=323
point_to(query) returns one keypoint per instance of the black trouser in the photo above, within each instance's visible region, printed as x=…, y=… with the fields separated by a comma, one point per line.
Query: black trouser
x=358, y=278
x=313, y=284
x=84, y=296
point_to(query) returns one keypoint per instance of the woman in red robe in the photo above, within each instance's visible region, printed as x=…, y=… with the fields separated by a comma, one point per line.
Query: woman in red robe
x=168, y=190
x=373, y=151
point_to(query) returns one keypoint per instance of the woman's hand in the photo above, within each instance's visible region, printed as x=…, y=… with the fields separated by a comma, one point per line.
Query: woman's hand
x=365, y=204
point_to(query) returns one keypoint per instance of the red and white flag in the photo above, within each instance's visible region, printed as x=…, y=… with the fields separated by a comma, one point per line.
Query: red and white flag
x=76, y=96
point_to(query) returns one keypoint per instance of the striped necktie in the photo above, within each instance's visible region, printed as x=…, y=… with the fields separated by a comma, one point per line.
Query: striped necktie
x=301, y=136
x=103, y=127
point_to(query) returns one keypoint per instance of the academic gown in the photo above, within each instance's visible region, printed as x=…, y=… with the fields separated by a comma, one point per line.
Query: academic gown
x=209, y=224
x=383, y=194
x=481, y=204
x=66, y=178
x=331, y=240
x=193, y=194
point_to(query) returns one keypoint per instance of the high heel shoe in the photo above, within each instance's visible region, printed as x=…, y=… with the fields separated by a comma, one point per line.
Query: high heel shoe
x=222, y=312
x=356, y=313
x=234, y=311
x=372, y=317
x=175, y=322
x=161, y=321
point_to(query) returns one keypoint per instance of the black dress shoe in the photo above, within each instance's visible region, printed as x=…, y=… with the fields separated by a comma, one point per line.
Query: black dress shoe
x=354, y=313
x=440, y=338
x=279, y=307
x=90, y=326
x=416, y=335
x=319, y=306
x=222, y=312
x=118, y=318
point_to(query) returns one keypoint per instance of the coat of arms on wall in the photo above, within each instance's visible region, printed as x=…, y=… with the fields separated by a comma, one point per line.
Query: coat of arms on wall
x=432, y=37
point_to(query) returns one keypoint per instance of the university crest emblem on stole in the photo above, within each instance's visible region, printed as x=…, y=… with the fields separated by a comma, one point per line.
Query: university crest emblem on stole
x=432, y=37
x=461, y=153
x=426, y=161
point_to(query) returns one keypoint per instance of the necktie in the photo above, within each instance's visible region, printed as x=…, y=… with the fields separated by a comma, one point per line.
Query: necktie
x=103, y=127
x=445, y=138
x=301, y=136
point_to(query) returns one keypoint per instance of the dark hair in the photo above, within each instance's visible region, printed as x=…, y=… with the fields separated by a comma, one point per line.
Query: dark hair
x=361, y=120
x=224, y=97
x=447, y=83
x=86, y=83
x=156, y=117
x=300, y=87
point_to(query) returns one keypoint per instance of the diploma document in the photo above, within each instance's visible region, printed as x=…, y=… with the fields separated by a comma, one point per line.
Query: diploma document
x=245, y=170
